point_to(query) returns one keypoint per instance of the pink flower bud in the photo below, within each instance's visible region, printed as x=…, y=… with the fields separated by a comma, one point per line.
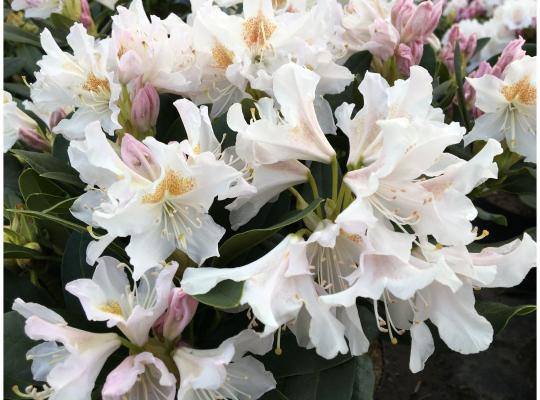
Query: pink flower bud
x=467, y=45
x=384, y=39
x=56, y=117
x=181, y=310
x=409, y=55
x=145, y=108
x=138, y=157
x=86, y=15
x=473, y=10
x=415, y=22
x=32, y=139
x=512, y=52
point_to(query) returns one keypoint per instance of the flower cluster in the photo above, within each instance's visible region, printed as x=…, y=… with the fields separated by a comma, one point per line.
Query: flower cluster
x=395, y=227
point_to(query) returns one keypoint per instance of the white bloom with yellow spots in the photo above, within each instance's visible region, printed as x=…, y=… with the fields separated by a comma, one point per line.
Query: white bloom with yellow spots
x=80, y=80
x=109, y=296
x=509, y=106
x=152, y=192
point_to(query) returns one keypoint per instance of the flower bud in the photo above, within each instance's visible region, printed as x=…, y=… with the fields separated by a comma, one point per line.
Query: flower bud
x=473, y=10
x=409, y=55
x=467, y=45
x=32, y=139
x=384, y=39
x=138, y=157
x=512, y=52
x=181, y=310
x=56, y=117
x=86, y=15
x=415, y=22
x=145, y=108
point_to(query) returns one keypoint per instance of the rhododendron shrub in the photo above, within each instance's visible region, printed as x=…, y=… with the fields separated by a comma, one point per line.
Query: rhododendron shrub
x=245, y=199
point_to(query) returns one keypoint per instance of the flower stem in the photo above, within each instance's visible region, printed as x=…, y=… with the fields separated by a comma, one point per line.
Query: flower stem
x=300, y=202
x=315, y=191
x=335, y=176
x=132, y=347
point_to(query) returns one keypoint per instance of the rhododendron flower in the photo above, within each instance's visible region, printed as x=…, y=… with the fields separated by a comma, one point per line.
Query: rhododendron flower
x=225, y=372
x=140, y=375
x=15, y=121
x=276, y=287
x=159, y=197
x=80, y=80
x=141, y=48
x=108, y=296
x=71, y=367
x=509, y=106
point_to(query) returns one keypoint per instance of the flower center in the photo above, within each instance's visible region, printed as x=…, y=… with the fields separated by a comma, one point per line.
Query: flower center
x=111, y=307
x=257, y=30
x=522, y=91
x=222, y=56
x=95, y=85
x=173, y=184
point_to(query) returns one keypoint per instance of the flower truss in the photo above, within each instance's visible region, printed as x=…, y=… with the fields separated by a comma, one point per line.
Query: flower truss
x=190, y=185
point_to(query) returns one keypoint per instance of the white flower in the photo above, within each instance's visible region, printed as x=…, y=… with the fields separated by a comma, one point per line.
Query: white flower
x=140, y=375
x=108, y=297
x=234, y=50
x=225, y=372
x=141, y=48
x=516, y=14
x=14, y=120
x=80, y=80
x=449, y=302
x=296, y=135
x=71, y=368
x=161, y=199
x=509, y=106
x=41, y=9
x=404, y=176
x=277, y=287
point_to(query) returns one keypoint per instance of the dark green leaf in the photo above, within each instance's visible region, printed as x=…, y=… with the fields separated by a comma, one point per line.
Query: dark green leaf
x=499, y=314
x=12, y=66
x=16, y=344
x=499, y=219
x=224, y=295
x=74, y=267
x=18, y=35
x=44, y=162
x=429, y=59
x=30, y=183
x=242, y=242
x=364, y=382
x=60, y=147
x=18, y=89
x=20, y=252
x=460, y=94
x=480, y=44
x=30, y=56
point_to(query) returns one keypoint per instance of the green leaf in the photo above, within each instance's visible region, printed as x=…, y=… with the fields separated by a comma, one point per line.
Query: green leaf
x=12, y=66
x=480, y=44
x=225, y=295
x=74, y=266
x=29, y=56
x=52, y=218
x=499, y=314
x=18, y=89
x=16, y=344
x=499, y=219
x=460, y=94
x=244, y=241
x=429, y=59
x=18, y=35
x=20, y=252
x=30, y=183
x=359, y=63
x=364, y=382
x=60, y=147
x=44, y=162
x=64, y=177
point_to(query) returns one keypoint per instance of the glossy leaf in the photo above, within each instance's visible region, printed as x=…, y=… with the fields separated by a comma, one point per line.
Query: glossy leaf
x=499, y=315
x=244, y=241
x=225, y=295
